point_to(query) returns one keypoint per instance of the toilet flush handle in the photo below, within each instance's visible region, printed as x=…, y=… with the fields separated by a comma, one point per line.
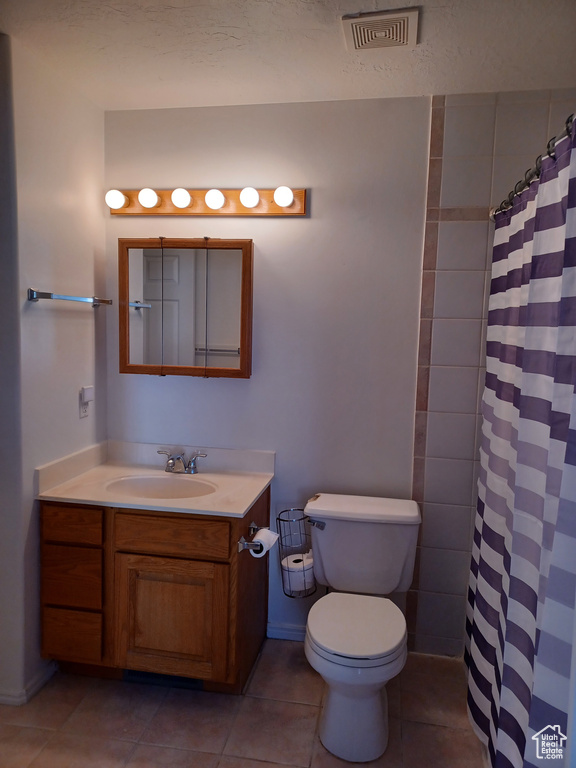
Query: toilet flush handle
x=320, y=524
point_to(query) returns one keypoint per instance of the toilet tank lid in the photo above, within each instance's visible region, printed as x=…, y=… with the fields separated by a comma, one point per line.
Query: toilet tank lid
x=372, y=509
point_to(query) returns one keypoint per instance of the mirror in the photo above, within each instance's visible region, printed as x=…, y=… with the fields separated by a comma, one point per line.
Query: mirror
x=185, y=306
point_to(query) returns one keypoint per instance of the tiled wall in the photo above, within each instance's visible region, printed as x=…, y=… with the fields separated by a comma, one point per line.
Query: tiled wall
x=480, y=146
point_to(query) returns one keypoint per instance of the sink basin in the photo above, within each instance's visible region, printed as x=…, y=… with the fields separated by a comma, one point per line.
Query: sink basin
x=165, y=487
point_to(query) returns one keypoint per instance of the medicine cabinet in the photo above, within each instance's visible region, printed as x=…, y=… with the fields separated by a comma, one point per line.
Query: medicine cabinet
x=185, y=306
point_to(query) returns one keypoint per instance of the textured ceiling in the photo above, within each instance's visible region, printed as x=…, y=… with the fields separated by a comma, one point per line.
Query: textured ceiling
x=142, y=54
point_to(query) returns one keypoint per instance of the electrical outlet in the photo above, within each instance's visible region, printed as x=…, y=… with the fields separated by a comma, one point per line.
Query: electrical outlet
x=83, y=409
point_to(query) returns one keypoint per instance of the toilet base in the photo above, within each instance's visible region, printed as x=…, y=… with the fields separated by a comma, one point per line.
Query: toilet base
x=354, y=720
x=355, y=729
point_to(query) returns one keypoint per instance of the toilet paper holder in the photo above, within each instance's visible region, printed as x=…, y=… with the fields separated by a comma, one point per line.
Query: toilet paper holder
x=254, y=545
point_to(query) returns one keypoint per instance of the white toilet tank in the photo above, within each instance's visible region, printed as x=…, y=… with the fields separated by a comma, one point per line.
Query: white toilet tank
x=363, y=544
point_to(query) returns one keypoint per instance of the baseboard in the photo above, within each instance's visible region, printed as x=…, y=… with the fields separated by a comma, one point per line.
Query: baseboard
x=36, y=684
x=286, y=632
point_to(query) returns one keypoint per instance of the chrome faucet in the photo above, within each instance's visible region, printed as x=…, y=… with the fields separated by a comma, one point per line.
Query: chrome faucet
x=177, y=464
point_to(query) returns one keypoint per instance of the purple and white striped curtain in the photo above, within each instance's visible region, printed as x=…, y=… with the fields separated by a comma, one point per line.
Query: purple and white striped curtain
x=520, y=613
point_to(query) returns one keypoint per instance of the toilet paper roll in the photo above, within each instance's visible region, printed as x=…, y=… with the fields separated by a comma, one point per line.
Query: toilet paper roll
x=267, y=538
x=298, y=562
x=298, y=572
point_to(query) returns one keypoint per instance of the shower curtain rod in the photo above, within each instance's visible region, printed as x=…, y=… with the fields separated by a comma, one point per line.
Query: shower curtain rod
x=533, y=173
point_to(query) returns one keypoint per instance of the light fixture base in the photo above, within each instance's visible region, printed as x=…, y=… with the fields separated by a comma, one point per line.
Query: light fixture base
x=198, y=207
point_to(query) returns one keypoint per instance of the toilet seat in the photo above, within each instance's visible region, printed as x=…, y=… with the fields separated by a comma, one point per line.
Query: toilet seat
x=356, y=630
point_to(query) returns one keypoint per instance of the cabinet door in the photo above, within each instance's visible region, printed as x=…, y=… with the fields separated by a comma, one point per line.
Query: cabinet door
x=172, y=616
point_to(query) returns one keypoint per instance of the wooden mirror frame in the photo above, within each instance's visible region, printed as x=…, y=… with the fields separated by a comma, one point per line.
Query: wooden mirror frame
x=246, y=246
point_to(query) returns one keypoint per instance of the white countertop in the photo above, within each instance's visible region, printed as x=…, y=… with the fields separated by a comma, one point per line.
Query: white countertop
x=235, y=492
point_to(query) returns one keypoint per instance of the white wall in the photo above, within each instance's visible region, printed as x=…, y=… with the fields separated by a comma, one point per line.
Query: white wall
x=59, y=153
x=336, y=295
x=11, y=578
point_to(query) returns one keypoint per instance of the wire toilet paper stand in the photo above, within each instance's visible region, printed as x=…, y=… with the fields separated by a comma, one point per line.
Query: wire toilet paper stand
x=295, y=551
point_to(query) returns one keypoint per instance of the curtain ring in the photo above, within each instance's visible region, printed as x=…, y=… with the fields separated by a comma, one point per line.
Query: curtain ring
x=569, y=123
x=528, y=176
x=551, y=147
x=519, y=187
x=538, y=168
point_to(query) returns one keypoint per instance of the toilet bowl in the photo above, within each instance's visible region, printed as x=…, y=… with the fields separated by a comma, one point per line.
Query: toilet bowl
x=357, y=643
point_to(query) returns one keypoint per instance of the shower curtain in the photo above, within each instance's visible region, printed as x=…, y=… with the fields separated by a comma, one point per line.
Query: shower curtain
x=520, y=612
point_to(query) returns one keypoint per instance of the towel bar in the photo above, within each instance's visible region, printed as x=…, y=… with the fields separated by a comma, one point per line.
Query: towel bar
x=36, y=295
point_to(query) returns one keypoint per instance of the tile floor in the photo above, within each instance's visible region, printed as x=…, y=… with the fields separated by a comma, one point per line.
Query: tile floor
x=79, y=722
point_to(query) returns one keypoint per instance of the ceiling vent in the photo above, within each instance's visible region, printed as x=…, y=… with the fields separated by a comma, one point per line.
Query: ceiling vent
x=390, y=29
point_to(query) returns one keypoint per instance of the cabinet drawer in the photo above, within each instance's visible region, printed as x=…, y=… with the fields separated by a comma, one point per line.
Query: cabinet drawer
x=75, y=525
x=178, y=537
x=72, y=576
x=71, y=635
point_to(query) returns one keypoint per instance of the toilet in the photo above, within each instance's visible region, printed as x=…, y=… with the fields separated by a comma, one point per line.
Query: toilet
x=364, y=548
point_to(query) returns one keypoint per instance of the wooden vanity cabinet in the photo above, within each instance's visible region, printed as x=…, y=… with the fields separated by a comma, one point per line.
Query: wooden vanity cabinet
x=181, y=599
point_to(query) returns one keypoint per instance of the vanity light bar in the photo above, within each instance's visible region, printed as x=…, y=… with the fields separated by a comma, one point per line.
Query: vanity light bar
x=282, y=201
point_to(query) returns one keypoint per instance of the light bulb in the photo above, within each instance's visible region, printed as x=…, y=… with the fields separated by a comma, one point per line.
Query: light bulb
x=214, y=199
x=115, y=199
x=148, y=198
x=249, y=197
x=181, y=198
x=284, y=197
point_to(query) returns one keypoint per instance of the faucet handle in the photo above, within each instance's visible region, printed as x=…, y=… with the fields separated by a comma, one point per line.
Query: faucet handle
x=191, y=468
x=169, y=462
